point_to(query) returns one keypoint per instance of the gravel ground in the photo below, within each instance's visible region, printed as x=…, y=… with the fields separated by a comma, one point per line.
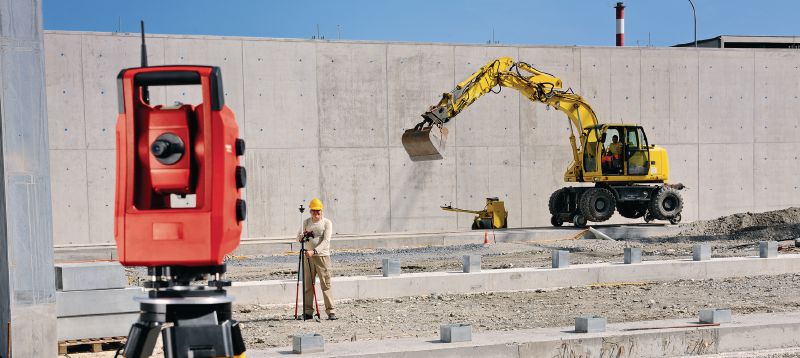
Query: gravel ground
x=736, y=235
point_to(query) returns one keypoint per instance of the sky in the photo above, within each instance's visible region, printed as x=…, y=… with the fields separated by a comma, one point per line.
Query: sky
x=553, y=22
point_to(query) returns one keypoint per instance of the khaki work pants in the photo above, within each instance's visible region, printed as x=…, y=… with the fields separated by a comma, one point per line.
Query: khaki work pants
x=313, y=267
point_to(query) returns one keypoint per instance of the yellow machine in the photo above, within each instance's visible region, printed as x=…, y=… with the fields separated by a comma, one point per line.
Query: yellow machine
x=629, y=175
x=493, y=216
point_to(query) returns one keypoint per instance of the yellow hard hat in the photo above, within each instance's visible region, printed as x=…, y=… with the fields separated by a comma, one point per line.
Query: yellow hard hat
x=315, y=204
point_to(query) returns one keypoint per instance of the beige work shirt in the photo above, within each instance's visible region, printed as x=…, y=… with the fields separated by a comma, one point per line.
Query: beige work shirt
x=321, y=241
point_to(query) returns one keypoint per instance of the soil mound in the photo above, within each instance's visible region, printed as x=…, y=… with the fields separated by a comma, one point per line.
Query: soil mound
x=771, y=225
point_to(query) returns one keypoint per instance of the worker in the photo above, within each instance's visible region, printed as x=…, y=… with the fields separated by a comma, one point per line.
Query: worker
x=615, y=147
x=318, y=231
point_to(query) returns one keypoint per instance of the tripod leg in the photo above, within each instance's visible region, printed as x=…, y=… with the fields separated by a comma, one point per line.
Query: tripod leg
x=316, y=302
x=297, y=288
x=141, y=340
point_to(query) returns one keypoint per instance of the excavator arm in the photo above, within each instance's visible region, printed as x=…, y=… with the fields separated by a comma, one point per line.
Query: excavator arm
x=426, y=140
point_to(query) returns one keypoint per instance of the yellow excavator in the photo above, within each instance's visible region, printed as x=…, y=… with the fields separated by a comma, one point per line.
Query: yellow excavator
x=629, y=175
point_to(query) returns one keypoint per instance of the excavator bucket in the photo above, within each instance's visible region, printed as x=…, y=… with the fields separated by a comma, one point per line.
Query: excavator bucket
x=427, y=143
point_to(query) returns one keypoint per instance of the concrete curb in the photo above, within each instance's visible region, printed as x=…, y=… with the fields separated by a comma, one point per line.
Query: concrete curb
x=272, y=246
x=416, y=284
x=632, y=339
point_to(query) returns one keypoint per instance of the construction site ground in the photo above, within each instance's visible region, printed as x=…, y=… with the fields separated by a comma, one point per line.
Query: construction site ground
x=420, y=316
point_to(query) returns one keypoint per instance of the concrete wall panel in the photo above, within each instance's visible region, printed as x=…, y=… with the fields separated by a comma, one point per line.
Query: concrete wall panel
x=416, y=78
x=777, y=168
x=226, y=54
x=726, y=179
x=65, y=92
x=351, y=95
x=626, y=81
x=777, y=96
x=540, y=125
x=280, y=89
x=70, y=201
x=103, y=58
x=418, y=189
x=354, y=184
x=484, y=172
x=596, y=81
x=726, y=96
x=101, y=179
x=683, y=168
x=542, y=172
x=279, y=180
x=493, y=120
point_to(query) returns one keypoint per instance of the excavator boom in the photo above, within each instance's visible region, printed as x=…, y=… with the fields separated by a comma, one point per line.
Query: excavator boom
x=426, y=141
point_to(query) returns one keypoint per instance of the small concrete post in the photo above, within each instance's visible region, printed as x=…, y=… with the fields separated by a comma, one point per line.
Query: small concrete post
x=797, y=242
x=308, y=343
x=451, y=333
x=633, y=255
x=391, y=267
x=767, y=249
x=715, y=315
x=701, y=252
x=560, y=258
x=590, y=324
x=472, y=263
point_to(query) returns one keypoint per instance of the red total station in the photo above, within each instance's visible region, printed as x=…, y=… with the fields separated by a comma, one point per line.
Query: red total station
x=168, y=154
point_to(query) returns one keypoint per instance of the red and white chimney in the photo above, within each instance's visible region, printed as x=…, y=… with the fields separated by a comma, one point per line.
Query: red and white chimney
x=620, y=24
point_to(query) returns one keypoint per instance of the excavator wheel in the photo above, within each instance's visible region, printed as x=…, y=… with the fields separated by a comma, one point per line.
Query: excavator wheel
x=631, y=210
x=555, y=220
x=597, y=204
x=475, y=225
x=579, y=220
x=666, y=204
x=558, y=202
x=675, y=220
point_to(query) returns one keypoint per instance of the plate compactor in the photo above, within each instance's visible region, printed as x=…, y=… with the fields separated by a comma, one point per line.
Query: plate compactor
x=493, y=216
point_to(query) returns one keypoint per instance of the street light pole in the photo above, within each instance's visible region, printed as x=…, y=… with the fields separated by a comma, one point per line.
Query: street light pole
x=695, y=23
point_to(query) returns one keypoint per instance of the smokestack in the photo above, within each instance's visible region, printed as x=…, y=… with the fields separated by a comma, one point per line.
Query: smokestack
x=620, y=24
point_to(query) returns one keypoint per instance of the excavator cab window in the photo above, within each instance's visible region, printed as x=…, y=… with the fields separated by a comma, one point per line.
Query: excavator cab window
x=613, y=153
x=637, y=151
x=591, y=150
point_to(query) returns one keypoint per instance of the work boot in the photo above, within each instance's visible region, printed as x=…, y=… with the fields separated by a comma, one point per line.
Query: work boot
x=332, y=317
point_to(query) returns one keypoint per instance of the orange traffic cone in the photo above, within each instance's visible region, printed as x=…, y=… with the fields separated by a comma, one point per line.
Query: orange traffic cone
x=485, y=239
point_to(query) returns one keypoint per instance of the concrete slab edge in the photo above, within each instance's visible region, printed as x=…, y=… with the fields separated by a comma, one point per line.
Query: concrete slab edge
x=630, y=339
x=520, y=279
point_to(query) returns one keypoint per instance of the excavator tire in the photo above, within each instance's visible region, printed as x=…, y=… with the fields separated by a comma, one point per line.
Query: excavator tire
x=666, y=204
x=597, y=204
x=631, y=209
x=556, y=220
x=558, y=202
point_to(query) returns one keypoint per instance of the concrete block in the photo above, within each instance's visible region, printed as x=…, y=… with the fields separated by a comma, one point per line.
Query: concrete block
x=715, y=315
x=95, y=326
x=451, y=333
x=590, y=324
x=797, y=242
x=94, y=302
x=90, y=276
x=308, y=343
x=701, y=252
x=767, y=249
x=560, y=258
x=391, y=267
x=472, y=263
x=633, y=255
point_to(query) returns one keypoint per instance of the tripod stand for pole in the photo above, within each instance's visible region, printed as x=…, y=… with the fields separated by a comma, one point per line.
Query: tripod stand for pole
x=301, y=277
x=195, y=321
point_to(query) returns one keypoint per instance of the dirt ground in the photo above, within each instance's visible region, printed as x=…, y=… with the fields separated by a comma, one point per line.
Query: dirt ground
x=420, y=316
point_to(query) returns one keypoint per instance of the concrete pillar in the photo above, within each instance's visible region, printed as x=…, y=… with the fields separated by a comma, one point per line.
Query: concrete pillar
x=560, y=258
x=590, y=324
x=308, y=343
x=27, y=287
x=633, y=255
x=452, y=333
x=472, y=263
x=701, y=252
x=391, y=267
x=715, y=315
x=767, y=249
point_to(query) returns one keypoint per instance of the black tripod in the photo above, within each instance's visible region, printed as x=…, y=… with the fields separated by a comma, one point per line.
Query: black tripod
x=301, y=278
x=195, y=321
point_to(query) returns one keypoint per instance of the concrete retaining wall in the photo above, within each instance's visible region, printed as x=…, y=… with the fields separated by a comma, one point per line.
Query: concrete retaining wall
x=324, y=119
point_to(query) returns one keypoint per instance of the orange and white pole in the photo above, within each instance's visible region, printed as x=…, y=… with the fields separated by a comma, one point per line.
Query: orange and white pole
x=620, y=24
